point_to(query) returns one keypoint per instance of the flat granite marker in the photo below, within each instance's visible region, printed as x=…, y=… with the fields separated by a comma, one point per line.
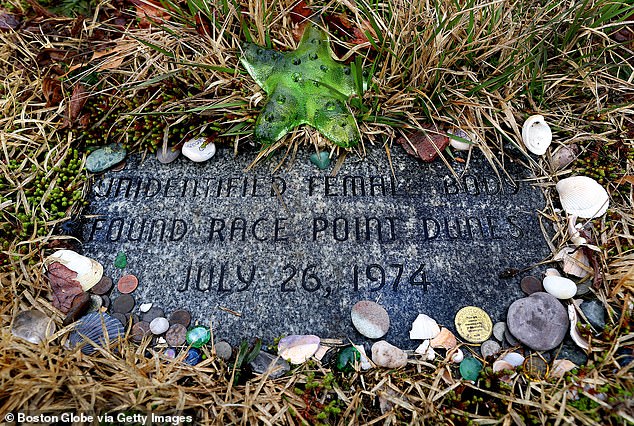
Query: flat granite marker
x=292, y=252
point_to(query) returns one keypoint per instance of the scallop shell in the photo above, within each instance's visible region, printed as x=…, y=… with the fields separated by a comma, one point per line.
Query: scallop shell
x=501, y=365
x=89, y=271
x=423, y=328
x=98, y=328
x=560, y=287
x=536, y=134
x=583, y=196
x=445, y=339
x=561, y=367
x=574, y=333
x=460, y=145
x=575, y=262
x=514, y=359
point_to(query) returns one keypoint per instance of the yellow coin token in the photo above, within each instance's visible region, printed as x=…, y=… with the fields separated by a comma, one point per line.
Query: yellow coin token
x=473, y=324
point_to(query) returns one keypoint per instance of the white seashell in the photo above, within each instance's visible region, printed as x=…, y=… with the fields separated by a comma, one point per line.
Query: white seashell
x=426, y=350
x=145, y=307
x=575, y=236
x=457, y=357
x=364, y=361
x=161, y=341
x=423, y=328
x=560, y=287
x=575, y=262
x=460, y=145
x=297, y=349
x=198, y=150
x=552, y=272
x=445, y=339
x=514, y=359
x=536, y=134
x=564, y=156
x=89, y=271
x=501, y=365
x=561, y=367
x=574, y=333
x=583, y=196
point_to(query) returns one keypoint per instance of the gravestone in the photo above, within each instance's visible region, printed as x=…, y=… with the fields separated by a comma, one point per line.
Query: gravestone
x=265, y=253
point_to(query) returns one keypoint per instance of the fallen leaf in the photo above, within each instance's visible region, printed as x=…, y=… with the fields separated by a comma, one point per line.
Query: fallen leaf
x=300, y=12
x=203, y=25
x=50, y=55
x=64, y=286
x=79, y=306
x=52, y=90
x=149, y=11
x=77, y=101
x=627, y=178
x=425, y=144
x=8, y=21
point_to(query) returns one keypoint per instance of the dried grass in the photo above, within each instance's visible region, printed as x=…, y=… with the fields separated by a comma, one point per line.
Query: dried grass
x=482, y=66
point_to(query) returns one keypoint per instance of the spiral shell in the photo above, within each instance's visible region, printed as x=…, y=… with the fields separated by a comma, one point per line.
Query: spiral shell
x=583, y=196
x=536, y=134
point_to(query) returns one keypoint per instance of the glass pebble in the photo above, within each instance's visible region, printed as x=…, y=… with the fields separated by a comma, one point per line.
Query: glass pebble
x=198, y=336
x=346, y=359
x=470, y=369
x=121, y=261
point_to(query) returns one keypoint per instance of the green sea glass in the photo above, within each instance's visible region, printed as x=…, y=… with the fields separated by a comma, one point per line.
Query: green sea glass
x=304, y=86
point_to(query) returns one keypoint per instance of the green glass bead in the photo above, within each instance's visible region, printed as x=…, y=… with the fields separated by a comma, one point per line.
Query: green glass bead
x=321, y=160
x=121, y=261
x=346, y=359
x=470, y=369
x=198, y=336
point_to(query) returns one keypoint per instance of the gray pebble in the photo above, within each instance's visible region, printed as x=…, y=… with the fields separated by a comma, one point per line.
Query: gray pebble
x=266, y=362
x=223, y=350
x=539, y=321
x=490, y=348
x=595, y=313
x=498, y=330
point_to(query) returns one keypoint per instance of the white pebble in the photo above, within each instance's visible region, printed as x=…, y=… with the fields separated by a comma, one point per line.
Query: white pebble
x=159, y=325
x=197, y=151
x=560, y=287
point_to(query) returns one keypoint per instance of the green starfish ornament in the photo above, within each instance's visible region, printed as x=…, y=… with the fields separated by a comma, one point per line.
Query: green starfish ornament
x=304, y=86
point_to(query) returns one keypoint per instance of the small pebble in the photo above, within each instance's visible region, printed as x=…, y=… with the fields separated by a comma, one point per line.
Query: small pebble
x=33, y=326
x=198, y=150
x=370, y=319
x=145, y=307
x=265, y=363
x=167, y=155
x=105, y=301
x=498, y=330
x=297, y=349
x=387, y=355
x=153, y=312
x=321, y=160
x=223, y=350
x=96, y=302
x=560, y=287
x=489, y=348
x=104, y=158
x=595, y=313
x=159, y=325
x=198, y=336
x=470, y=369
x=176, y=335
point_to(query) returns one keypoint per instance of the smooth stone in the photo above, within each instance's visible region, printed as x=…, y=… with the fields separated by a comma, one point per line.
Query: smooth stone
x=470, y=369
x=594, y=312
x=223, y=350
x=197, y=151
x=104, y=158
x=498, y=330
x=489, y=348
x=510, y=339
x=170, y=353
x=159, y=325
x=321, y=160
x=168, y=155
x=33, y=326
x=96, y=302
x=583, y=288
x=193, y=357
x=424, y=327
x=298, y=348
x=370, y=319
x=539, y=321
x=560, y=287
x=347, y=358
x=198, y=336
x=569, y=350
x=388, y=356
x=265, y=362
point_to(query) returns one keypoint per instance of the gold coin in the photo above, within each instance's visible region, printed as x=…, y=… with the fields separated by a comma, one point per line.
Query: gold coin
x=473, y=324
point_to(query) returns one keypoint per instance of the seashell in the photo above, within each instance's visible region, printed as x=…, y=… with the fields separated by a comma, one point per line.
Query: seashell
x=364, y=361
x=33, y=326
x=423, y=328
x=89, y=271
x=297, y=349
x=574, y=260
x=536, y=134
x=98, y=328
x=514, y=359
x=445, y=339
x=560, y=287
x=574, y=333
x=561, y=367
x=583, y=196
x=501, y=365
x=426, y=350
x=145, y=307
x=564, y=156
x=460, y=145
x=199, y=150
x=457, y=356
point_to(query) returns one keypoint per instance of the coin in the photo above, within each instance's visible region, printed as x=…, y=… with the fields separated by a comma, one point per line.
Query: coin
x=123, y=304
x=175, y=336
x=152, y=313
x=139, y=331
x=105, y=301
x=121, y=317
x=473, y=324
x=531, y=284
x=181, y=316
x=535, y=367
x=498, y=330
x=103, y=286
x=127, y=284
